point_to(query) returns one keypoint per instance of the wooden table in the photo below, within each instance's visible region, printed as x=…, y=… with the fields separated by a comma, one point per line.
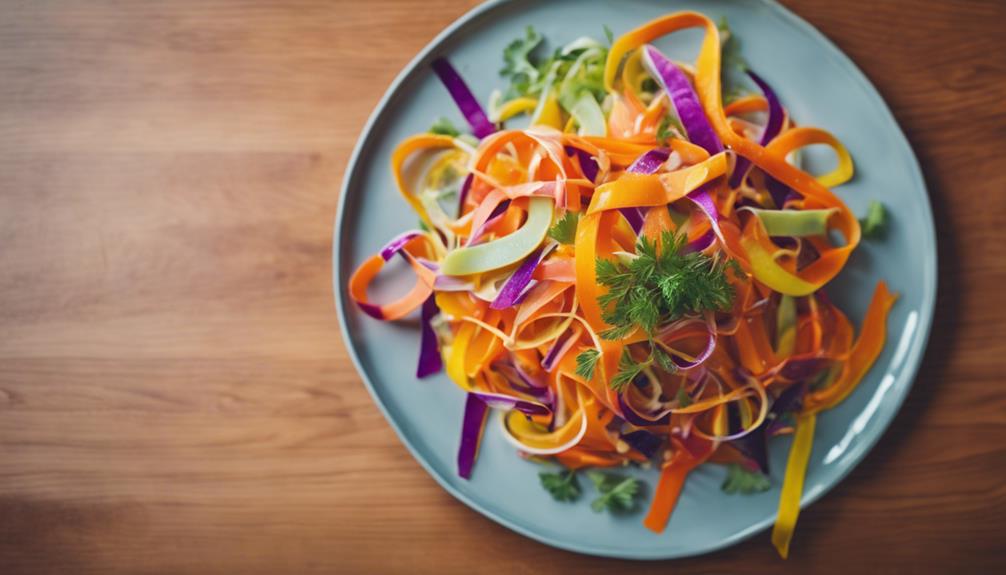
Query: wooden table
x=174, y=394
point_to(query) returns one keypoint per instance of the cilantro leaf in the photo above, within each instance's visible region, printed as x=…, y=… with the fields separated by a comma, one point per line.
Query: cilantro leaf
x=530, y=75
x=586, y=363
x=516, y=55
x=444, y=127
x=741, y=480
x=564, y=229
x=561, y=486
x=875, y=223
x=618, y=494
x=517, y=65
x=609, y=34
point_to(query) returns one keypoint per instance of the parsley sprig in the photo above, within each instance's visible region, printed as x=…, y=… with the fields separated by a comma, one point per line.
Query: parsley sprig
x=742, y=480
x=586, y=363
x=444, y=127
x=660, y=285
x=617, y=493
x=530, y=73
x=875, y=223
x=564, y=228
x=562, y=486
x=655, y=286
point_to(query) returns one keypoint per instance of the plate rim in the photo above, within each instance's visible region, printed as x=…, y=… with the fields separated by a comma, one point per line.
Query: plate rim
x=912, y=361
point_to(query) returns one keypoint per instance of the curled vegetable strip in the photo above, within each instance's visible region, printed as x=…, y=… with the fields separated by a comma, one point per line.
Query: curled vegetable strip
x=648, y=288
x=363, y=275
x=504, y=251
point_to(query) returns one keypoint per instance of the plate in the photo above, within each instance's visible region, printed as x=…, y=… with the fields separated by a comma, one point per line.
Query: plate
x=821, y=87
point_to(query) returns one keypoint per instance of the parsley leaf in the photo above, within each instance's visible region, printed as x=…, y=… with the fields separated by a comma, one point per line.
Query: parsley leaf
x=586, y=363
x=561, y=486
x=628, y=369
x=618, y=494
x=516, y=56
x=444, y=127
x=660, y=285
x=527, y=76
x=655, y=287
x=564, y=229
x=530, y=75
x=741, y=480
x=875, y=223
x=609, y=34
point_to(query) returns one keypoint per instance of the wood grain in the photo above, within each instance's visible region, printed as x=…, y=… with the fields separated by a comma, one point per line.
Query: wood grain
x=174, y=393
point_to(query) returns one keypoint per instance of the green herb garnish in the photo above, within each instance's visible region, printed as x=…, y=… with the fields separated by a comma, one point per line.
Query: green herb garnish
x=660, y=285
x=517, y=65
x=444, y=127
x=628, y=369
x=562, y=486
x=530, y=75
x=655, y=286
x=586, y=362
x=875, y=223
x=618, y=494
x=742, y=480
x=564, y=229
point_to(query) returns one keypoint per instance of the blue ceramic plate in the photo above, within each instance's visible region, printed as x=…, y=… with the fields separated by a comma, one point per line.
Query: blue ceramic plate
x=821, y=87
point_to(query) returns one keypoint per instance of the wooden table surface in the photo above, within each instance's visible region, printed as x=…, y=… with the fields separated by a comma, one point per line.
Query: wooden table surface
x=175, y=396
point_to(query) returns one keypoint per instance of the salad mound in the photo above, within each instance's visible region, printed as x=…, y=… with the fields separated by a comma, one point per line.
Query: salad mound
x=635, y=276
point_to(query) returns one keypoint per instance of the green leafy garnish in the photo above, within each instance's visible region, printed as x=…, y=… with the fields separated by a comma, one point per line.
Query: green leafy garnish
x=628, y=369
x=875, y=223
x=530, y=75
x=658, y=286
x=608, y=34
x=618, y=494
x=564, y=229
x=733, y=64
x=653, y=287
x=444, y=127
x=561, y=486
x=517, y=64
x=742, y=480
x=586, y=363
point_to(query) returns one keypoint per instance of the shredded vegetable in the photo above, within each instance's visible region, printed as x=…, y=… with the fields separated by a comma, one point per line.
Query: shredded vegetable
x=637, y=276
